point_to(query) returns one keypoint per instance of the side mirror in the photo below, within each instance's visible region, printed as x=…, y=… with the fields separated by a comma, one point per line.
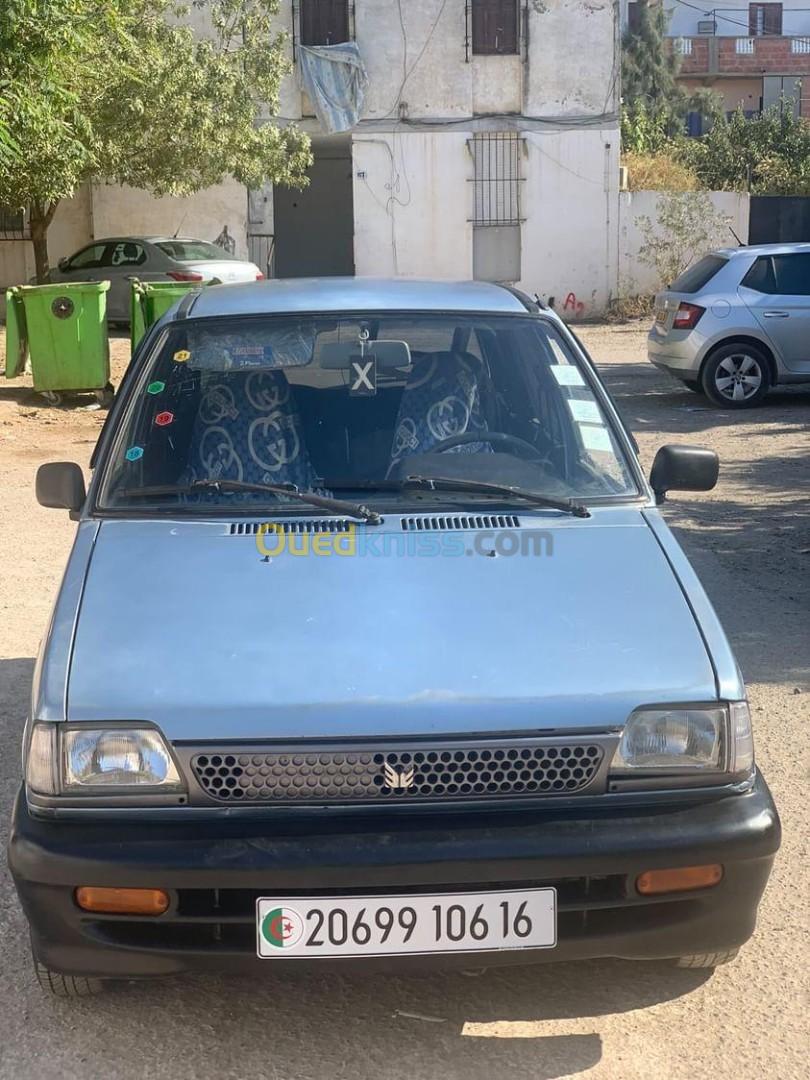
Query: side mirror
x=63, y=263
x=60, y=484
x=683, y=468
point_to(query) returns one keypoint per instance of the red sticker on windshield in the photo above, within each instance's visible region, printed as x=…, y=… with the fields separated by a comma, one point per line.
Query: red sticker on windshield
x=164, y=418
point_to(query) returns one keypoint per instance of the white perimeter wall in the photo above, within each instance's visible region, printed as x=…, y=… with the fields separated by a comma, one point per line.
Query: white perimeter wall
x=636, y=278
x=412, y=209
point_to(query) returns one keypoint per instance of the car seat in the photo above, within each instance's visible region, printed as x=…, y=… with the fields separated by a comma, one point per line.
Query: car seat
x=442, y=397
x=248, y=428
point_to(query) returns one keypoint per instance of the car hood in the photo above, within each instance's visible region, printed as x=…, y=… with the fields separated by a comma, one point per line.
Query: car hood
x=187, y=626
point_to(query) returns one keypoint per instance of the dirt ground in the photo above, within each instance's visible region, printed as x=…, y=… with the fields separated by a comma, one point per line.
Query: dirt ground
x=750, y=542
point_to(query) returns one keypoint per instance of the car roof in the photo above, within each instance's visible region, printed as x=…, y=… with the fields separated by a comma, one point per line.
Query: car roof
x=338, y=294
x=146, y=240
x=763, y=249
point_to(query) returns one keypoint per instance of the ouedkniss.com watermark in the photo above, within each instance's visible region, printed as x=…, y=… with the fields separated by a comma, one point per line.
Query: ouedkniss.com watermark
x=361, y=543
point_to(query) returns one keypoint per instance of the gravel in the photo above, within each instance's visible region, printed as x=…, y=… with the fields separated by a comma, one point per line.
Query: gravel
x=750, y=542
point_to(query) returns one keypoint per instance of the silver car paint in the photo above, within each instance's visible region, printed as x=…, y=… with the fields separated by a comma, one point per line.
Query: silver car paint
x=731, y=311
x=162, y=621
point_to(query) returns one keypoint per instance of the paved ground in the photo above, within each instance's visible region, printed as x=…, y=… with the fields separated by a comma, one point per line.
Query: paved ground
x=750, y=541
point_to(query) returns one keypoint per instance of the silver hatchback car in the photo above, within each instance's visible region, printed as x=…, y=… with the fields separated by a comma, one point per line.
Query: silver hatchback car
x=737, y=323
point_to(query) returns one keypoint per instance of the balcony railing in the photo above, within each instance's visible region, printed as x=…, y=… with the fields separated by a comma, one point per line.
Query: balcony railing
x=769, y=53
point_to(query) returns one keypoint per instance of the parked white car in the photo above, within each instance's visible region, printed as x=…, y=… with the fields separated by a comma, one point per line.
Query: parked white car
x=150, y=258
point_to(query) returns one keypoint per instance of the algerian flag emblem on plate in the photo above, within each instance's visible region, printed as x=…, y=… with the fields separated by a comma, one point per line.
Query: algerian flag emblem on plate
x=282, y=927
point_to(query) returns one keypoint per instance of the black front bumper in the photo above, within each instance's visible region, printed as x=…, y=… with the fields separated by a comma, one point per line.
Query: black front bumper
x=216, y=869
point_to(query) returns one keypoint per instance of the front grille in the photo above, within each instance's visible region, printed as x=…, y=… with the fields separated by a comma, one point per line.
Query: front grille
x=421, y=772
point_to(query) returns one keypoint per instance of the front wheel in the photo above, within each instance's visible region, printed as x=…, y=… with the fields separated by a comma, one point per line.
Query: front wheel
x=707, y=960
x=736, y=376
x=66, y=986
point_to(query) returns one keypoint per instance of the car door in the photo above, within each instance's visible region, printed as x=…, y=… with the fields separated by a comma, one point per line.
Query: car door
x=85, y=265
x=122, y=261
x=777, y=291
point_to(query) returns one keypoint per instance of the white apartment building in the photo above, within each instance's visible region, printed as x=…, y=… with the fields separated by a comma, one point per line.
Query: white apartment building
x=487, y=147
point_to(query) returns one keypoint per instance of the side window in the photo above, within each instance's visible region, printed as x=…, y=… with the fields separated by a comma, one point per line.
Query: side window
x=90, y=258
x=495, y=27
x=792, y=274
x=760, y=276
x=125, y=253
x=324, y=22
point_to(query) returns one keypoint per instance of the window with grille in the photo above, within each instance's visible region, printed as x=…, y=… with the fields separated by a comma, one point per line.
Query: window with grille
x=324, y=22
x=764, y=19
x=497, y=156
x=495, y=27
x=13, y=225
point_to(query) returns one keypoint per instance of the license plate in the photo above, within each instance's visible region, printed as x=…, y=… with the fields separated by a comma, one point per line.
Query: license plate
x=311, y=926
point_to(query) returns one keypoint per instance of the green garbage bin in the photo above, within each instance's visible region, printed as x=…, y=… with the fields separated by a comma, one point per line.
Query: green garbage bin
x=149, y=300
x=63, y=328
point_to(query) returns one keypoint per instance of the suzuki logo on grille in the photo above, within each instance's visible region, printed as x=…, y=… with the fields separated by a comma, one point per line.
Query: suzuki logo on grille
x=398, y=779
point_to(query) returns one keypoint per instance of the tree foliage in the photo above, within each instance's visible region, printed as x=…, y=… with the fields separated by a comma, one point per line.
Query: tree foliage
x=767, y=155
x=654, y=104
x=125, y=91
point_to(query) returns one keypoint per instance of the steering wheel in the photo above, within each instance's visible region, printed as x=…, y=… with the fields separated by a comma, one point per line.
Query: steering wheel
x=495, y=438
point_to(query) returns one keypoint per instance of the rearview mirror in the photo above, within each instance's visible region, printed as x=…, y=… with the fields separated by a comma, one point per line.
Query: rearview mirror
x=60, y=484
x=683, y=468
x=63, y=263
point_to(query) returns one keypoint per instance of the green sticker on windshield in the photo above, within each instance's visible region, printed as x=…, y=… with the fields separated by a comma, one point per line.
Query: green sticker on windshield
x=156, y=387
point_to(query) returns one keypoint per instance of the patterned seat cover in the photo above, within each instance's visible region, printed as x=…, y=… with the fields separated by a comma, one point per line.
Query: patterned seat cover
x=442, y=397
x=248, y=428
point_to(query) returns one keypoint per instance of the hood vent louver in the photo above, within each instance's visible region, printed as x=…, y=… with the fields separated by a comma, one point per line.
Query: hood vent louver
x=447, y=522
x=307, y=525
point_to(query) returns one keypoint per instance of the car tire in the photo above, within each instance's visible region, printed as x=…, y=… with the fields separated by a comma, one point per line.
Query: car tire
x=66, y=986
x=707, y=960
x=736, y=376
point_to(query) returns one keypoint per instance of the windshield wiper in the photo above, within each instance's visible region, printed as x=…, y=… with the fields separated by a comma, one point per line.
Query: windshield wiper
x=337, y=506
x=448, y=483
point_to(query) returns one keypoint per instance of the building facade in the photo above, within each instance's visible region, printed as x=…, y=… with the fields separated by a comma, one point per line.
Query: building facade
x=487, y=147
x=754, y=56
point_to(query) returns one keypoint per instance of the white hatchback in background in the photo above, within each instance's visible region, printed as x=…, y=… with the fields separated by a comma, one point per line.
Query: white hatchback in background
x=737, y=323
x=151, y=258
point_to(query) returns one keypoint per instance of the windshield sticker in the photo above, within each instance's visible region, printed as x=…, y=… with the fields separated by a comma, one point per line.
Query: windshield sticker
x=135, y=453
x=163, y=419
x=596, y=437
x=156, y=387
x=363, y=376
x=182, y=356
x=567, y=375
x=584, y=412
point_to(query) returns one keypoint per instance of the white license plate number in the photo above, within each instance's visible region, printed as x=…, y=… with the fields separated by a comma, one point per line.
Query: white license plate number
x=312, y=926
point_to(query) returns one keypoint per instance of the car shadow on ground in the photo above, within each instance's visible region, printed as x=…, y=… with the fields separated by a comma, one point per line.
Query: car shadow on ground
x=650, y=399
x=454, y=1024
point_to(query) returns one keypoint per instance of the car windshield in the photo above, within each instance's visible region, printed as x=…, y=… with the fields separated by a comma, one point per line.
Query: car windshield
x=355, y=406
x=697, y=277
x=193, y=250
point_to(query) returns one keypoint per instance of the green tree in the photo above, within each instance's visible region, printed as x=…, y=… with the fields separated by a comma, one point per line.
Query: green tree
x=124, y=91
x=767, y=155
x=654, y=103
x=686, y=225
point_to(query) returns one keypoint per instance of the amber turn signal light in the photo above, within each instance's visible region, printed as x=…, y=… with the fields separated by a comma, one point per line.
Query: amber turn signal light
x=653, y=882
x=122, y=901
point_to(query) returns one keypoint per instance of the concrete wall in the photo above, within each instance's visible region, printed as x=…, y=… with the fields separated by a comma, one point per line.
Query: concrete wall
x=413, y=204
x=126, y=210
x=636, y=278
x=71, y=227
x=569, y=233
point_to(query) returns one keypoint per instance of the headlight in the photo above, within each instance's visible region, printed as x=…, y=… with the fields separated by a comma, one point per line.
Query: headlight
x=707, y=738
x=105, y=759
